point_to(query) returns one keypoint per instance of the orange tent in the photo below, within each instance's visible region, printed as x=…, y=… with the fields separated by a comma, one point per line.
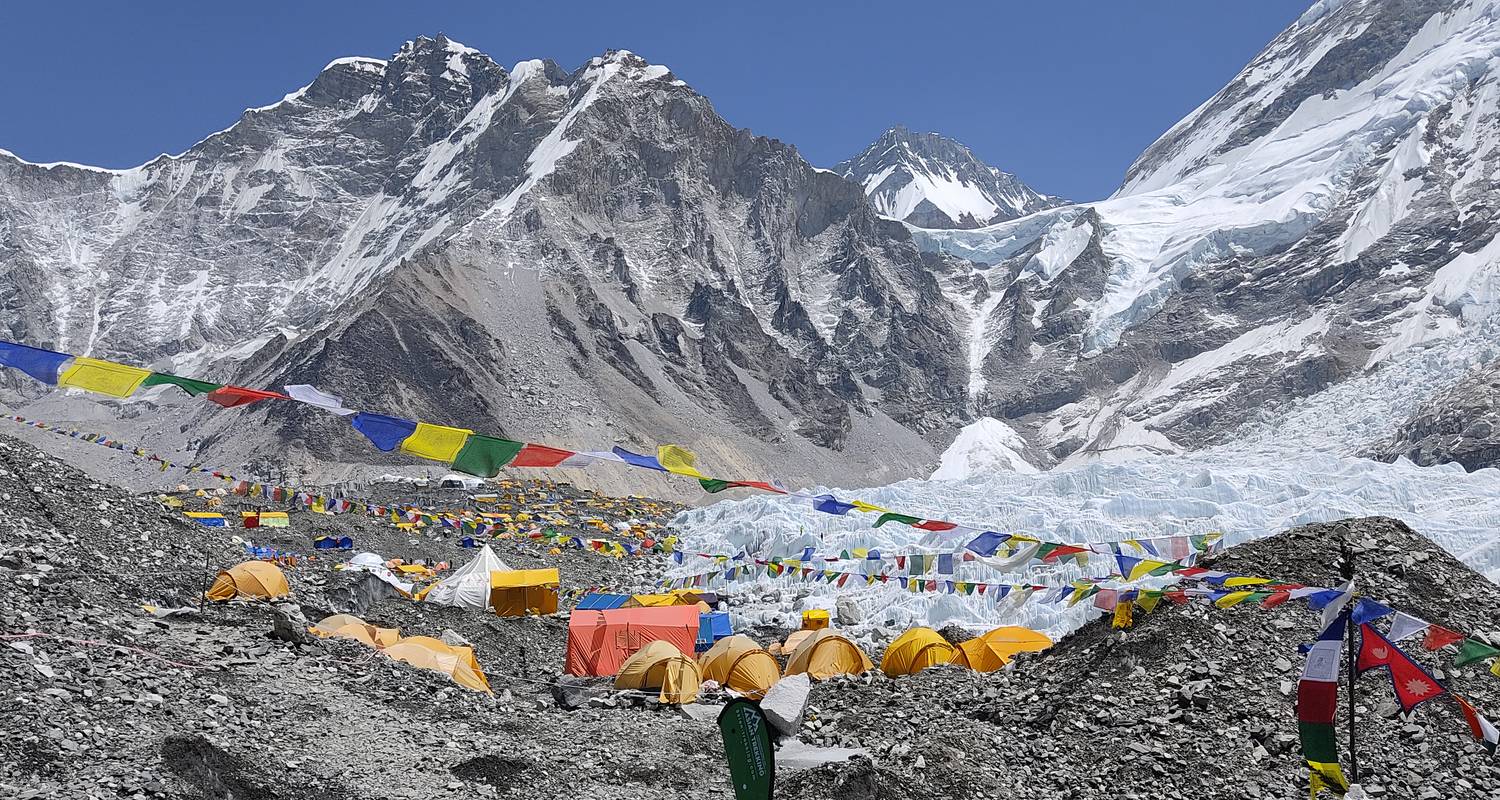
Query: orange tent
x=600, y=641
x=259, y=580
x=994, y=650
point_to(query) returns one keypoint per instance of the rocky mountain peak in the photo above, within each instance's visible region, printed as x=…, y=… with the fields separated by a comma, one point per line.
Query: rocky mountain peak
x=932, y=181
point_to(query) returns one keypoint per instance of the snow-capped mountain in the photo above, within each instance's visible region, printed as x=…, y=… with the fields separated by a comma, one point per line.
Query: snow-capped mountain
x=931, y=181
x=582, y=258
x=1329, y=212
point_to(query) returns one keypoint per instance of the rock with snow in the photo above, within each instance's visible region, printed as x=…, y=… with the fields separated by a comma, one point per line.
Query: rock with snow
x=786, y=702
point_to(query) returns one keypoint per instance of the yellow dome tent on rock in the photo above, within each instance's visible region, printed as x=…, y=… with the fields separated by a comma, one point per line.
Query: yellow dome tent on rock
x=256, y=580
x=993, y=650
x=457, y=663
x=827, y=653
x=914, y=651
x=660, y=665
x=738, y=663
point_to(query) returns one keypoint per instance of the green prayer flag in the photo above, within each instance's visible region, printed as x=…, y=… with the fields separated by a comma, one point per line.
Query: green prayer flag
x=485, y=455
x=1474, y=650
x=894, y=517
x=189, y=385
x=713, y=485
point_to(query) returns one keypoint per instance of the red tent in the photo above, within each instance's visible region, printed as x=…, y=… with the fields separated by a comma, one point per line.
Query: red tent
x=599, y=641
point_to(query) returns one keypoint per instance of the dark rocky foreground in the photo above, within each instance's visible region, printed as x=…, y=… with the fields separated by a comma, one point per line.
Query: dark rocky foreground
x=1192, y=702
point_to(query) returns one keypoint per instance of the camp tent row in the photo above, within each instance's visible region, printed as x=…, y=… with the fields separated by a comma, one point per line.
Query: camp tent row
x=920, y=648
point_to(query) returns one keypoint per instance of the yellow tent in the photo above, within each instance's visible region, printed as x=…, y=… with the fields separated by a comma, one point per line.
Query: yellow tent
x=993, y=650
x=457, y=663
x=827, y=653
x=258, y=580
x=792, y=642
x=676, y=597
x=660, y=665
x=914, y=651
x=738, y=663
x=326, y=626
x=378, y=638
x=518, y=592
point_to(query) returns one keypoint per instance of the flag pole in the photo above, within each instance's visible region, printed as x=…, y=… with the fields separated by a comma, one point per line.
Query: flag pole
x=1347, y=567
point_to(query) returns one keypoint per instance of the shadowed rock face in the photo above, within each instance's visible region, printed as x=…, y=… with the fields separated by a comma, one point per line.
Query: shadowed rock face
x=553, y=255
x=1460, y=425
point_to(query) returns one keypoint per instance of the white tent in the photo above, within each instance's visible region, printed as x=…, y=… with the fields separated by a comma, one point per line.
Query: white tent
x=374, y=563
x=469, y=586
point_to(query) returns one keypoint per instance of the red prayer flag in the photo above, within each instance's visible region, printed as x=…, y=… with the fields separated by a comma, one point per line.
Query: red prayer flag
x=1439, y=637
x=1276, y=599
x=536, y=455
x=232, y=396
x=935, y=525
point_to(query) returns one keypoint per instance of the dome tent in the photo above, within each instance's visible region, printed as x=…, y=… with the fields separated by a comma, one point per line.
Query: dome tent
x=994, y=650
x=457, y=663
x=827, y=653
x=914, y=651
x=256, y=580
x=738, y=663
x=660, y=665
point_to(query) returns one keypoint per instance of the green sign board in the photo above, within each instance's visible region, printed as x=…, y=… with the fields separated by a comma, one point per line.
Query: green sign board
x=747, y=743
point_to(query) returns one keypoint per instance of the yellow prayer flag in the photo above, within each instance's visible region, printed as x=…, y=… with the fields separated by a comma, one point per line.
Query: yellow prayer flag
x=866, y=507
x=1232, y=599
x=1143, y=568
x=437, y=442
x=1245, y=580
x=678, y=460
x=1148, y=601
x=104, y=377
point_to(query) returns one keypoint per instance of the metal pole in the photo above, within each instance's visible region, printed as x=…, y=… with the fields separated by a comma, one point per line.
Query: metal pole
x=1348, y=571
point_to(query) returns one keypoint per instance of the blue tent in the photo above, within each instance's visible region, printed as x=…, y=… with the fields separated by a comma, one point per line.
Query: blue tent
x=468, y=541
x=599, y=601
x=712, y=627
x=325, y=543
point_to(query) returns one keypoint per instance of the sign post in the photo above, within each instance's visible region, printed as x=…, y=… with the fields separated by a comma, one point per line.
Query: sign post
x=747, y=743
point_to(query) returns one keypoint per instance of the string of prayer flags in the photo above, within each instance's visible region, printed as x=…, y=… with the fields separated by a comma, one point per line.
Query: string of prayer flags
x=1317, y=703
x=1413, y=684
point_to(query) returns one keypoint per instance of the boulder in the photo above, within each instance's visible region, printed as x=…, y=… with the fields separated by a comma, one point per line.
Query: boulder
x=786, y=701
x=847, y=612
x=571, y=691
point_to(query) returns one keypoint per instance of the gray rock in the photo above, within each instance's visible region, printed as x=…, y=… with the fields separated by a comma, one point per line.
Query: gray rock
x=786, y=702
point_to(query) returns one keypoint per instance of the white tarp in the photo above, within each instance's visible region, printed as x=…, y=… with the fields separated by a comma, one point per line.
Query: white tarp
x=374, y=563
x=469, y=586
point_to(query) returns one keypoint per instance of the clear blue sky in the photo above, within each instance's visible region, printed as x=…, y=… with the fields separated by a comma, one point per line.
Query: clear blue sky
x=1065, y=93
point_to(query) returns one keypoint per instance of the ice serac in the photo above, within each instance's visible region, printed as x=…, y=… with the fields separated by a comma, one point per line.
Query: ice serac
x=587, y=258
x=1329, y=212
x=932, y=181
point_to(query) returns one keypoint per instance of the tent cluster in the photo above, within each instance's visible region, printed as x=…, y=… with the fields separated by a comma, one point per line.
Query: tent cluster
x=486, y=582
x=422, y=652
x=920, y=648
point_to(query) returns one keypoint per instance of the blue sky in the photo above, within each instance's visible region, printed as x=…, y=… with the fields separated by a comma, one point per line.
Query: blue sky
x=1065, y=93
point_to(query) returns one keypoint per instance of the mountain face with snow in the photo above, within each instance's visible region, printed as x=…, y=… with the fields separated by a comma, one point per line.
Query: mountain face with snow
x=931, y=181
x=582, y=258
x=1327, y=214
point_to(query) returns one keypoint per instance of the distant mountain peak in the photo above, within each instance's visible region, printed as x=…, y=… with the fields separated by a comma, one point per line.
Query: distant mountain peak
x=932, y=181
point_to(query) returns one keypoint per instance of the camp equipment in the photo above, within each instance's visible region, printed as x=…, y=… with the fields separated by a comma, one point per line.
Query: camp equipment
x=815, y=619
x=469, y=586
x=827, y=653
x=256, y=580
x=659, y=665
x=914, y=651
x=711, y=628
x=993, y=650
x=738, y=663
